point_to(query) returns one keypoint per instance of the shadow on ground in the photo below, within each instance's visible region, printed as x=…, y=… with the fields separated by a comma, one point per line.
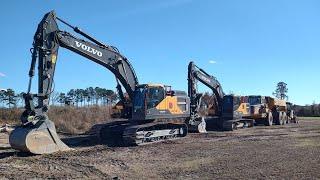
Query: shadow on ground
x=108, y=134
x=14, y=154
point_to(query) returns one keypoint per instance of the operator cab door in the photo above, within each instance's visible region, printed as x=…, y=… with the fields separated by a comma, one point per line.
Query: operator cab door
x=139, y=104
x=228, y=106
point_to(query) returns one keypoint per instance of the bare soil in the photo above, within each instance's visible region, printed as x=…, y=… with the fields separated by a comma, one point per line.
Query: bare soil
x=291, y=151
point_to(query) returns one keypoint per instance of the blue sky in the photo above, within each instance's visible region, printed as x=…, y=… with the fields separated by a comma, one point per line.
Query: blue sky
x=248, y=45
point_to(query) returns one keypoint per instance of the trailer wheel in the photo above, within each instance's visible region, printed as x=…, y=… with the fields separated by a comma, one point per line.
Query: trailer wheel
x=269, y=119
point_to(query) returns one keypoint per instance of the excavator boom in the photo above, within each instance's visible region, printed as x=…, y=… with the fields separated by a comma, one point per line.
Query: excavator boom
x=37, y=133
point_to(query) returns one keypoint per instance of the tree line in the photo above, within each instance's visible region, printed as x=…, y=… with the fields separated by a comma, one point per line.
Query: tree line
x=100, y=96
x=308, y=110
x=74, y=97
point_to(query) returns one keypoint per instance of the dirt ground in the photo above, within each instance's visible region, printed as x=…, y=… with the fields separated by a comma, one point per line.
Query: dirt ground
x=278, y=152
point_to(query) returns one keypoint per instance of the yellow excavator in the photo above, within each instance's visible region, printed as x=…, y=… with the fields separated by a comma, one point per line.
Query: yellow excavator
x=230, y=110
x=156, y=112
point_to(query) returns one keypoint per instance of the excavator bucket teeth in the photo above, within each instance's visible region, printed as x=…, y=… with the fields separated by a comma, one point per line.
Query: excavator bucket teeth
x=40, y=138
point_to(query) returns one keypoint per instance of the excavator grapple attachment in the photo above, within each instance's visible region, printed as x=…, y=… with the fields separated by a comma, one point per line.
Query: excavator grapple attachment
x=38, y=138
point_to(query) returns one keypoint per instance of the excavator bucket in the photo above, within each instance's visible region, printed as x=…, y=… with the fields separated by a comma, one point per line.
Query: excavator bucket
x=40, y=138
x=198, y=126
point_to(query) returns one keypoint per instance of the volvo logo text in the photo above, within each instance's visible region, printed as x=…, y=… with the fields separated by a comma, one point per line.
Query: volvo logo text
x=89, y=49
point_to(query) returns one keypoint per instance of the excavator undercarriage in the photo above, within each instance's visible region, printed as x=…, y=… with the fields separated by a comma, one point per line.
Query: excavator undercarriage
x=128, y=134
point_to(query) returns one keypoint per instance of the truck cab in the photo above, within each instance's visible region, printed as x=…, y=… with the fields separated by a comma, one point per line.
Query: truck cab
x=258, y=105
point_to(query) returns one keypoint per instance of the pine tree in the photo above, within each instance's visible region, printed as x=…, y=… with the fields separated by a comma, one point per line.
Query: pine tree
x=62, y=98
x=2, y=97
x=10, y=98
x=281, y=91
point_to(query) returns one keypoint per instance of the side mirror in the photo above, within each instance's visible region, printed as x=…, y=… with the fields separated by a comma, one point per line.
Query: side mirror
x=170, y=93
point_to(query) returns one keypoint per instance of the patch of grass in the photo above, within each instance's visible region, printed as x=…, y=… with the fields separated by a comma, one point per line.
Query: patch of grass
x=309, y=143
x=78, y=120
x=309, y=118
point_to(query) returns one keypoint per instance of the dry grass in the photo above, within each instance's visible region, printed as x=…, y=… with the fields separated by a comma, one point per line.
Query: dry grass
x=78, y=120
x=10, y=116
x=67, y=119
x=309, y=118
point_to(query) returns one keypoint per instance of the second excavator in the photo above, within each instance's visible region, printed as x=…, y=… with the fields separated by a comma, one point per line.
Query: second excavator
x=157, y=112
x=229, y=108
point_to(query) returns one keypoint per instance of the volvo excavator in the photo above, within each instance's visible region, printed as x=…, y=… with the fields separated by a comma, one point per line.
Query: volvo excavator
x=156, y=111
x=229, y=108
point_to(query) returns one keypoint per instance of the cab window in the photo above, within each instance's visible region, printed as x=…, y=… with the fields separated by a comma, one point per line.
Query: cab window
x=155, y=96
x=254, y=100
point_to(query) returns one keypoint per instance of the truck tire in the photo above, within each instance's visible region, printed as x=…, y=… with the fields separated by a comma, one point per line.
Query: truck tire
x=295, y=120
x=278, y=118
x=269, y=120
x=284, y=118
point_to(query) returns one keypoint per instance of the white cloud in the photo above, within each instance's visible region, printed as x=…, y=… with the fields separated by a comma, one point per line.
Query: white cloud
x=2, y=74
x=212, y=62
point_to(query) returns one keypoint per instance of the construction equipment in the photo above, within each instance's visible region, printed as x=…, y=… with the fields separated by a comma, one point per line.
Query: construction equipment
x=229, y=109
x=291, y=115
x=267, y=110
x=157, y=112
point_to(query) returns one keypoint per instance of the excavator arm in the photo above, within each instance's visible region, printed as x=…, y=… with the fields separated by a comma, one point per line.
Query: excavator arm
x=197, y=74
x=196, y=122
x=49, y=38
x=38, y=134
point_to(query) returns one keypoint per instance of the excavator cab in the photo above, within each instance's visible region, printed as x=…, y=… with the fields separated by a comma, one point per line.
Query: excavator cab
x=233, y=107
x=229, y=105
x=156, y=101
